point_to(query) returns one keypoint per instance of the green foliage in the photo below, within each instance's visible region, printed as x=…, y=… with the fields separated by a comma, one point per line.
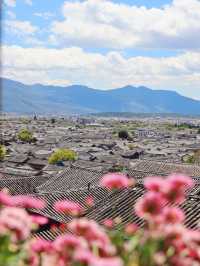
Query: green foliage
x=117, y=169
x=10, y=254
x=62, y=155
x=123, y=134
x=114, y=132
x=53, y=120
x=198, y=131
x=169, y=126
x=25, y=121
x=178, y=127
x=25, y=135
x=189, y=159
x=131, y=146
x=192, y=159
x=2, y=152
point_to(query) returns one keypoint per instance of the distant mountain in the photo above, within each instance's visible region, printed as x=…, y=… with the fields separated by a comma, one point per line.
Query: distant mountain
x=28, y=99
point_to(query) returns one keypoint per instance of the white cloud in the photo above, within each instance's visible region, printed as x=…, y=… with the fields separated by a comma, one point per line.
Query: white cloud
x=10, y=3
x=103, y=23
x=28, y=2
x=11, y=14
x=73, y=65
x=20, y=28
x=45, y=15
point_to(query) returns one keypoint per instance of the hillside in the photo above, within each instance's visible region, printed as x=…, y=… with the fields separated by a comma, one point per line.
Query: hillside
x=28, y=99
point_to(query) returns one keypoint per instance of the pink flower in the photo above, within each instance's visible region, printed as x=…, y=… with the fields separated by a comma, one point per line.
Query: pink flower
x=154, y=184
x=90, y=230
x=28, y=202
x=6, y=199
x=17, y=222
x=40, y=220
x=63, y=227
x=51, y=259
x=176, y=185
x=109, y=223
x=149, y=205
x=83, y=256
x=68, y=243
x=180, y=181
x=183, y=261
x=131, y=228
x=41, y=245
x=193, y=236
x=68, y=207
x=33, y=260
x=173, y=232
x=173, y=215
x=113, y=261
x=89, y=201
x=115, y=181
x=159, y=258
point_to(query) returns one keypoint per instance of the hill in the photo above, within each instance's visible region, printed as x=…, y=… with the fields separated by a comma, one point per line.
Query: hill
x=28, y=99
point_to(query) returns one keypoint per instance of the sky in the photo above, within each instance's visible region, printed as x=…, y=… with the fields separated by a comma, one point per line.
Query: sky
x=103, y=44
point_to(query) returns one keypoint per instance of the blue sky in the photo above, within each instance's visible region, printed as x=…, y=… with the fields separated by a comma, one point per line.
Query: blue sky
x=104, y=43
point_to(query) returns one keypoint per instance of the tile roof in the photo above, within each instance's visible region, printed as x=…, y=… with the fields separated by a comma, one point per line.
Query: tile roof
x=77, y=183
x=71, y=178
x=165, y=168
x=22, y=185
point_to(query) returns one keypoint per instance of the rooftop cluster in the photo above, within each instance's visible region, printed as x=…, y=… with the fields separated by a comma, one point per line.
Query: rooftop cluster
x=102, y=179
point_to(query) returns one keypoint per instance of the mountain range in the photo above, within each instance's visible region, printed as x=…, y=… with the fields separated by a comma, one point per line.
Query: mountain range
x=76, y=99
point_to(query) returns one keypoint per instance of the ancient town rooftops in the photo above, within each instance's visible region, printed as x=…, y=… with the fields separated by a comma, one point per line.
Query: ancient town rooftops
x=165, y=168
x=71, y=177
x=76, y=183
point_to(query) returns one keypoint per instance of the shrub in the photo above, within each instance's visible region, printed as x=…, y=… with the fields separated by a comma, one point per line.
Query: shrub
x=117, y=168
x=192, y=159
x=123, y=134
x=131, y=146
x=188, y=159
x=53, y=120
x=62, y=155
x=25, y=135
x=2, y=152
x=25, y=121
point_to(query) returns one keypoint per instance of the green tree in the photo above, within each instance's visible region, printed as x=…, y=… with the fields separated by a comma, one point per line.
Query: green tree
x=193, y=159
x=53, y=120
x=25, y=135
x=62, y=155
x=2, y=152
x=123, y=134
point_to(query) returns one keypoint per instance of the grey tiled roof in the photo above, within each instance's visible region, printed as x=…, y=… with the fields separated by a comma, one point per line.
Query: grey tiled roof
x=80, y=195
x=164, y=168
x=119, y=204
x=22, y=185
x=15, y=172
x=76, y=183
x=71, y=178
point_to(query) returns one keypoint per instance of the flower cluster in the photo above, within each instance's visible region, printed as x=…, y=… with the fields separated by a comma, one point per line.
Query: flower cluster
x=171, y=242
x=16, y=225
x=163, y=240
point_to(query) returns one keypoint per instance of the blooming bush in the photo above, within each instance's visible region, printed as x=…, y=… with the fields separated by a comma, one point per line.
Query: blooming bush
x=163, y=241
x=2, y=152
x=62, y=155
x=25, y=135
